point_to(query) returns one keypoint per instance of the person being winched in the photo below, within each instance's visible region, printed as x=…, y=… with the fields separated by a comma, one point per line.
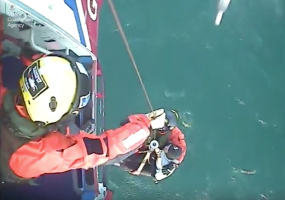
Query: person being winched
x=46, y=94
x=160, y=156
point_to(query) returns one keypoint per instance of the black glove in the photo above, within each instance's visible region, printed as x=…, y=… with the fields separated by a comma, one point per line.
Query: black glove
x=167, y=169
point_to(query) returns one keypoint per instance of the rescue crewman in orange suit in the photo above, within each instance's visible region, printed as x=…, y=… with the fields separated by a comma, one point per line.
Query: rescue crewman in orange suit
x=167, y=158
x=51, y=91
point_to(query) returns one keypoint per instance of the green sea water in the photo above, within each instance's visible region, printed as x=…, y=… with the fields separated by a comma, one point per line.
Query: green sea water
x=226, y=81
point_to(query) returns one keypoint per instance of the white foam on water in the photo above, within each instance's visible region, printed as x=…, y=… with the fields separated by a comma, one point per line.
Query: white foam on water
x=278, y=7
x=186, y=119
x=174, y=95
x=134, y=187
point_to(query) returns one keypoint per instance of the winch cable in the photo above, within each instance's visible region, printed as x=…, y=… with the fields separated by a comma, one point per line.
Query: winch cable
x=120, y=28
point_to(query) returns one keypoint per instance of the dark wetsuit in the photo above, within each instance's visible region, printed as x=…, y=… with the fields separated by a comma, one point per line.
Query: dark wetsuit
x=133, y=162
x=175, y=137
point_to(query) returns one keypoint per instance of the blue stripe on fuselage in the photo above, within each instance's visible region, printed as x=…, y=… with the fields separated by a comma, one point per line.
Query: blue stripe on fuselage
x=73, y=6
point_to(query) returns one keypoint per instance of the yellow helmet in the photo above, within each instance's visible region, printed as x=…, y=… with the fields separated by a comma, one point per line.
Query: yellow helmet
x=53, y=87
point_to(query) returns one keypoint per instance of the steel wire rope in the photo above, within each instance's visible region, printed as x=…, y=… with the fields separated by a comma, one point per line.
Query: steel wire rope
x=120, y=28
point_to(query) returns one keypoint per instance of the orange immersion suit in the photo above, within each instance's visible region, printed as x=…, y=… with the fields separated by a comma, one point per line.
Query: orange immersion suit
x=55, y=153
x=177, y=138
